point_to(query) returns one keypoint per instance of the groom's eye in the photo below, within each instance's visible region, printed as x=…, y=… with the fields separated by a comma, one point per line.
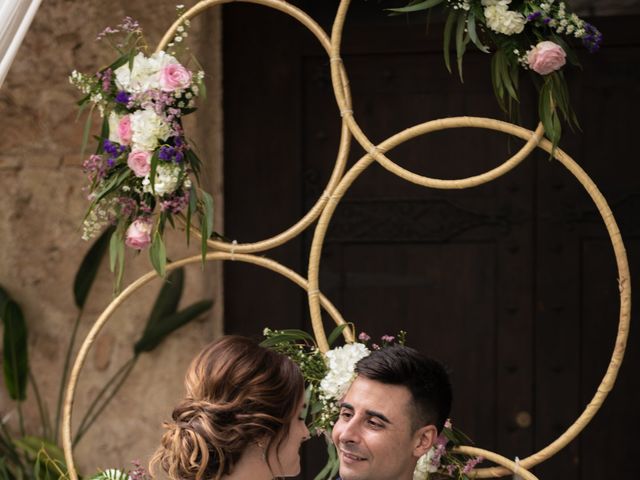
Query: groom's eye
x=375, y=424
x=345, y=414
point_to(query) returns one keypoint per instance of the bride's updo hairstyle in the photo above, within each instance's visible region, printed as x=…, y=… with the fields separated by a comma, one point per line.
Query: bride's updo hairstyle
x=238, y=394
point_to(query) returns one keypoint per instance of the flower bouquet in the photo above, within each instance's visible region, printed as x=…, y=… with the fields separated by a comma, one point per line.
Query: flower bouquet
x=532, y=35
x=329, y=376
x=143, y=171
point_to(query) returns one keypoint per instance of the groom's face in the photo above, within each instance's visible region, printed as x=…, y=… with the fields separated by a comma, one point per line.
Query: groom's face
x=374, y=434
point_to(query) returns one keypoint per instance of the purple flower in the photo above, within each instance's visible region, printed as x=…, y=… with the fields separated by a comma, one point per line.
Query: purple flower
x=533, y=16
x=176, y=203
x=375, y=346
x=122, y=97
x=546, y=21
x=592, y=39
x=471, y=464
x=363, y=337
x=387, y=338
x=105, y=32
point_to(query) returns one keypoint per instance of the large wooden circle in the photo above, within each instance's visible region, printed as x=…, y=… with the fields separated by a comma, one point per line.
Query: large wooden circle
x=129, y=291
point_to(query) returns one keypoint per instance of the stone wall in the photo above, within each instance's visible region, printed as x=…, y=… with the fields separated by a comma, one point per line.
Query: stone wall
x=42, y=208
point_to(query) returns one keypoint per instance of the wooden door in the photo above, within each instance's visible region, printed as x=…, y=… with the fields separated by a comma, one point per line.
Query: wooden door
x=511, y=284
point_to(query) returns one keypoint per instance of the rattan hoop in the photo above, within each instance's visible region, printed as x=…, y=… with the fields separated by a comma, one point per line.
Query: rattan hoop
x=345, y=135
x=128, y=292
x=326, y=205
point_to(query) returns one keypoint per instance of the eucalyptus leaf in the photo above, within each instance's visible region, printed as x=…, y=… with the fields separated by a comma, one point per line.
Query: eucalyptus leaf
x=461, y=43
x=88, y=269
x=448, y=30
x=154, y=167
x=15, y=356
x=333, y=336
x=104, y=133
x=165, y=326
x=473, y=35
x=208, y=208
x=158, y=254
x=416, y=7
x=85, y=132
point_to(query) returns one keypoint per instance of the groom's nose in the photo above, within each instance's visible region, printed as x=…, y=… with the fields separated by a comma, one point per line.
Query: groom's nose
x=350, y=432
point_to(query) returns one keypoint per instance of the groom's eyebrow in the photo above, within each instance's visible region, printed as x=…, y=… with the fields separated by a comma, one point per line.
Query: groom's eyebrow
x=370, y=413
x=373, y=413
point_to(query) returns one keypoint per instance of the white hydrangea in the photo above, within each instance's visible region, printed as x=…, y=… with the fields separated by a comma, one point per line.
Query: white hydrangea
x=147, y=127
x=502, y=20
x=144, y=73
x=166, y=180
x=342, y=362
x=425, y=466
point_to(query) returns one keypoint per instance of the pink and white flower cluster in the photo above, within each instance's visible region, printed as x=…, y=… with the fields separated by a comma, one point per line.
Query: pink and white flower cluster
x=144, y=162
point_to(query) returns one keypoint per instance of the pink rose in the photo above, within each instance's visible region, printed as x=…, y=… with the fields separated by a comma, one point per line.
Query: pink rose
x=173, y=77
x=138, y=234
x=546, y=57
x=140, y=162
x=124, y=130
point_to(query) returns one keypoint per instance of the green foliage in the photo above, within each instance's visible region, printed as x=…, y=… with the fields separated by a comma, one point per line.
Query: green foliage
x=89, y=268
x=465, y=22
x=29, y=457
x=15, y=360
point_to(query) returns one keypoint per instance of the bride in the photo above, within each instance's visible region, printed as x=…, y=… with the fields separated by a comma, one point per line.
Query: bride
x=241, y=418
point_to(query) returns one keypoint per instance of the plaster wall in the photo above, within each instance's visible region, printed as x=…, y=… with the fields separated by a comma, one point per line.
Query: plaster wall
x=42, y=208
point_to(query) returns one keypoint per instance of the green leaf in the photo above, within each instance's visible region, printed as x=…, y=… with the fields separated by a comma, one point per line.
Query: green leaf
x=448, y=29
x=168, y=298
x=115, y=181
x=85, y=132
x=161, y=329
x=333, y=336
x=416, y=7
x=461, y=42
x=4, y=298
x=88, y=269
x=154, y=168
x=208, y=209
x=191, y=208
x=287, y=336
x=116, y=255
x=104, y=133
x=15, y=356
x=471, y=28
x=158, y=254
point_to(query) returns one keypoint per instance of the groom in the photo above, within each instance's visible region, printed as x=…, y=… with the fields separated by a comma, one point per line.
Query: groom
x=391, y=415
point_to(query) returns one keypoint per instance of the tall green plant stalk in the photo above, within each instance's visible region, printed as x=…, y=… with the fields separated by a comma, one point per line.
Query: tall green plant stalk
x=92, y=414
x=65, y=371
x=44, y=416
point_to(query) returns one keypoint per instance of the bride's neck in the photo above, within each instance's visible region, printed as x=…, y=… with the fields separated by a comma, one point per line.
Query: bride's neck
x=251, y=466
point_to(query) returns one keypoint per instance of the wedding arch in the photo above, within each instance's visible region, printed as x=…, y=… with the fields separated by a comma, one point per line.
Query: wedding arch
x=329, y=201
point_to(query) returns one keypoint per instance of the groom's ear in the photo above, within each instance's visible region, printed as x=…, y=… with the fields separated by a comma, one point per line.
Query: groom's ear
x=425, y=438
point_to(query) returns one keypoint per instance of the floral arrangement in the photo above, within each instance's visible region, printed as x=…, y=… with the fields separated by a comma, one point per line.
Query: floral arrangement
x=136, y=473
x=329, y=376
x=531, y=35
x=143, y=171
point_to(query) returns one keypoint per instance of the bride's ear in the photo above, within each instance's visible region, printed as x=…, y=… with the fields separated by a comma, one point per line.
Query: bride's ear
x=425, y=438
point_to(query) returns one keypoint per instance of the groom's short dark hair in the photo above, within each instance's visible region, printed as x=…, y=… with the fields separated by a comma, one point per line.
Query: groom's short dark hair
x=426, y=379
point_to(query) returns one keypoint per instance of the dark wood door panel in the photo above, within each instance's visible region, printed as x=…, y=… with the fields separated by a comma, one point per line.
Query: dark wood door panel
x=512, y=284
